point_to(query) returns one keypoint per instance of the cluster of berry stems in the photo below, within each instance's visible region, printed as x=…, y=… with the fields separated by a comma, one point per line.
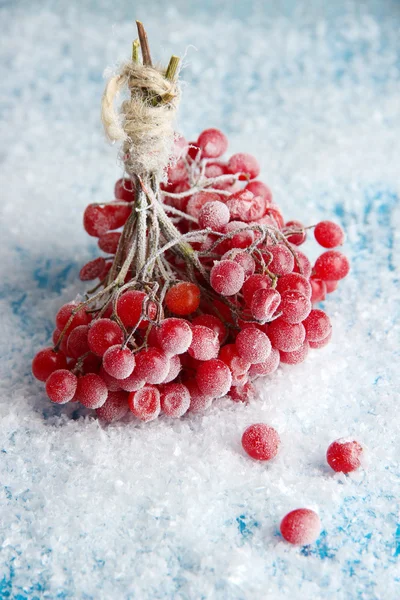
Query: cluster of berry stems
x=202, y=290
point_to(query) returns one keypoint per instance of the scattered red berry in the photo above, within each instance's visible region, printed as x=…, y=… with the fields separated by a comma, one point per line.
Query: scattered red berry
x=301, y=527
x=344, y=455
x=261, y=442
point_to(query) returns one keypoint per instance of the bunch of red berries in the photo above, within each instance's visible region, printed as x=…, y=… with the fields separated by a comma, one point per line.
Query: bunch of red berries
x=202, y=290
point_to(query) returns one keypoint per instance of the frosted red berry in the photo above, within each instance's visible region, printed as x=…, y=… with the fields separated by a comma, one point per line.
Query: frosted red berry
x=295, y=233
x=295, y=307
x=261, y=442
x=197, y=201
x=345, y=456
x=103, y=334
x=92, y=269
x=47, y=361
x=254, y=283
x=145, y=403
x=237, y=365
x=317, y=325
x=174, y=369
x=321, y=343
x=301, y=264
x=301, y=527
x=132, y=305
x=294, y=281
x=214, y=378
x=109, y=242
x=96, y=220
x=244, y=259
x=281, y=262
x=152, y=365
x=266, y=367
x=61, y=386
x=129, y=384
x=318, y=290
x=205, y=343
x=118, y=362
x=286, y=336
x=114, y=408
x=64, y=314
x=212, y=322
x=198, y=400
x=296, y=356
x=226, y=277
x=245, y=164
x=174, y=336
x=124, y=190
x=175, y=399
x=91, y=390
x=242, y=393
x=258, y=188
x=253, y=345
x=213, y=143
x=331, y=265
x=214, y=215
x=328, y=234
x=183, y=298
x=264, y=304
x=77, y=343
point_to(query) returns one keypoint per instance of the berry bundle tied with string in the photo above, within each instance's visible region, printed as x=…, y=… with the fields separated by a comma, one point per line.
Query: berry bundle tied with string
x=202, y=288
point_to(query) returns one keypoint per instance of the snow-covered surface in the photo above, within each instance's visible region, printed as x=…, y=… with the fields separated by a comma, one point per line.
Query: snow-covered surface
x=176, y=510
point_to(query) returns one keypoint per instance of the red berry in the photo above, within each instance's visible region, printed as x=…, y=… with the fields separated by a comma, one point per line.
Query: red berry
x=213, y=143
x=344, y=455
x=114, y=408
x=245, y=164
x=91, y=391
x=301, y=264
x=213, y=215
x=328, y=234
x=109, y=242
x=285, y=336
x=64, y=314
x=253, y=345
x=78, y=344
x=214, y=378
x=261, y=442
x=317, y=325
x=183, y=298
x=177, y=172
x=131, y=383
x=103, y=334
x=124, y=190
x=264, y=303
x=96, y=220
x=296, y=356
x=198, y=401
x=117, y=214
x=267, y=366
x=301, y=526
x=258, y=188
x=92, y=269
x=64, y=342
x=130, y=307
x=244, y=206
x=174, y=336
x=226, y=277
x=318, y=290
x=205, y=344
x=215, y=169
x=145, y=403
x=242, y=239
x=253, y=283
x=244, y=259
x=118, y=362
x=294, y=281
x=61, y=386
x=331, y=265
x=113, y=384
x=282, y=261
x=299, y=234
x=175, y=399
x=174, y=368
x=213, y=323
x=47, y=361
x=152, y=365
x=295, y=307
x=197, y=201
x=331, y=286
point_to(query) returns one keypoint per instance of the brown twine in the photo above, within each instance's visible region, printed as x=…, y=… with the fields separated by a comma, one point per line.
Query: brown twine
x=146, y=128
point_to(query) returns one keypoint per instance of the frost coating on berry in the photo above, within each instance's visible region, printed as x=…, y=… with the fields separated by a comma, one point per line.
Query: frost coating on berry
x=92, y=269
x=174, y=336
x=91, y=390
x=253, y=345
x=205, y=344
x=64, y=314
x=344, y=455
x=114, y=408
x=244, y=259
x=145, y=403
x=118, y=362
x=267, y=366
x=213, y=143
x=282, y=261
x=318, y=290
x=214, y=215
x=174, y=369
x=227, y=277
x=197, y=201
x=296, y=356
x=301, y=264
x=331, y=265
x=214, y=378
x=294, y=281
x=264, y=303
x=261, y=442
x=285, y=336
x=301, y=527
x=77, y=343
x=321, y=343
x=245, y=164
x=199, y=402
x=61, y=386
x=104, y=333
x=152, y=365
x=328, y=234
x=254, y=283
x=317, y=325
x=295, y=307
x=212, y=322
x=175, y=399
